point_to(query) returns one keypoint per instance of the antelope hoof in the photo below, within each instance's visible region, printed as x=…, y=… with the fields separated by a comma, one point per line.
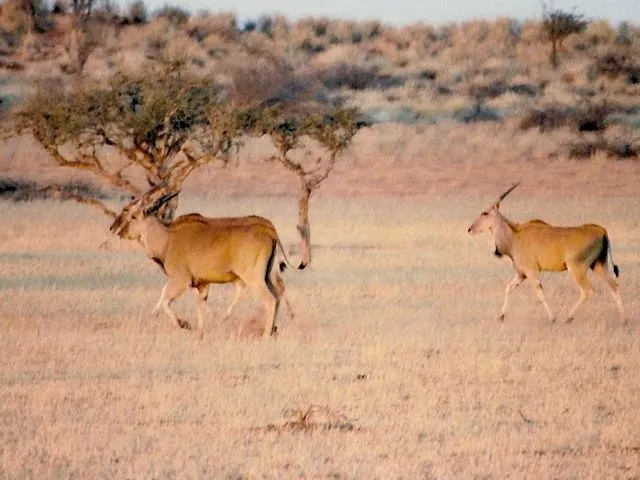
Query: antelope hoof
x=270, y=334
x=184, y=324
x=501, y=317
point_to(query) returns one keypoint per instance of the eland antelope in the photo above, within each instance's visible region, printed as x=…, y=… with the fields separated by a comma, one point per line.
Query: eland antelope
x=536, y=246
x=195, y=251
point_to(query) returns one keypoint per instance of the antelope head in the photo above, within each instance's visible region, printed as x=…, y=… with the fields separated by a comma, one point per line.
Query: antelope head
x=129, y=223
x=487, y=218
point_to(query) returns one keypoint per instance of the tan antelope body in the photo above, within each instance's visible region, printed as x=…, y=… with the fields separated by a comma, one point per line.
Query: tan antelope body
x=536, y=246
x=195, y=251
x=250, y=220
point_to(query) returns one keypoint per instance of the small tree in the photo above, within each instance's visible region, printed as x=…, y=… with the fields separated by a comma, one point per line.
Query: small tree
x=158, y=122
x=293, y=111
x=558, y=25
x=82, y=38
x=291, y=131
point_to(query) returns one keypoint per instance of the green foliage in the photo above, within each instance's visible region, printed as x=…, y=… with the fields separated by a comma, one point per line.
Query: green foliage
x=154, y=108
x=333, y=128
x=558, y=25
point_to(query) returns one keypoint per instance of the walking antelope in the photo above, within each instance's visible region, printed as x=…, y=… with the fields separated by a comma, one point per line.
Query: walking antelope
x=241, y=287
x=195, y=251
x=536, y=246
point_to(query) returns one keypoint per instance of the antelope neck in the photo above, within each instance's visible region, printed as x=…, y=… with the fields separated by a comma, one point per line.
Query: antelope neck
x=503, y=234
x=155, y=238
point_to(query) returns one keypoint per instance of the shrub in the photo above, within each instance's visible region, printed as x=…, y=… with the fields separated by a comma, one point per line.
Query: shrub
x=558, y=25
x=621, y=149
x=25, y=191
x=587, y=118
x=428, y=74
x=265, y=25
x=617, y=64
x=623, y=36
x=249, y=26
x=221, y=24
x=612, y=63
x=138, y=12
x=174, y=15
x=525, y=89
x=477, y=113
x=488, y=91
x=349, y=76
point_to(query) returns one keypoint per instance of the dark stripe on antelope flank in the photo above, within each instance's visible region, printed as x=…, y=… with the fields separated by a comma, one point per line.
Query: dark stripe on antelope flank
x=159, y=262
x=267, y=272
x=604, y=251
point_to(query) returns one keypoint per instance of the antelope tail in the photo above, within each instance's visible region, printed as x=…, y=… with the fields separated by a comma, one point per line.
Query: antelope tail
x=616, y=270
x=287, y=263
x=607, y=245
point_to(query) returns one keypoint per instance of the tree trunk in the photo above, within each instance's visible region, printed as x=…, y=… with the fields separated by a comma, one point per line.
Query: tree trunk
x=554, y=54
x=304, y=228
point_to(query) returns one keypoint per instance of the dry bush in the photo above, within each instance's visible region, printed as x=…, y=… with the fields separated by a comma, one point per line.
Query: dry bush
x=353, y=77
x=273, y=27
x=255, y=84
x=82, y=41
x=340, y=32
x=618, y=63
x=18, y=17
x=597, y=32
x=613, y=148
x=173, y=14
x=11, y=64
x=137, y=12
x=314, y=417
x=201, y=26
x=589, y=117
x=157, y=39
x=25, y=191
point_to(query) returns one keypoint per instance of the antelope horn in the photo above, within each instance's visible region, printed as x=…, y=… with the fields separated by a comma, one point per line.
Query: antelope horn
x=161, y=201
x=507, y=193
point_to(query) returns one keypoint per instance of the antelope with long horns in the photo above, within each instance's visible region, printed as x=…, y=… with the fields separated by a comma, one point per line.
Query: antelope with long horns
x=536, y=246
x=195, y=251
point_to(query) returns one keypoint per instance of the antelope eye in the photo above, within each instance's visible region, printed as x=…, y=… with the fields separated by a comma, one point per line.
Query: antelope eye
x=484, y=214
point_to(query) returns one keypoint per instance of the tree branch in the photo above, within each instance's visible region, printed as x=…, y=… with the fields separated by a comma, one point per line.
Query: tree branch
x=58, y=192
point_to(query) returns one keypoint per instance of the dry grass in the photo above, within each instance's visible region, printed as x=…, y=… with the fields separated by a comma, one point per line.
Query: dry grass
x=394, y=366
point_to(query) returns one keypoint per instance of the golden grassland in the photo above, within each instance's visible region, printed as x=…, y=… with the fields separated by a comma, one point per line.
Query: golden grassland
x=394, y=354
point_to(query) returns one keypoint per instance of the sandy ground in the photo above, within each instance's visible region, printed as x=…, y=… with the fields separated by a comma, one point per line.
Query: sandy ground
x=393, y=367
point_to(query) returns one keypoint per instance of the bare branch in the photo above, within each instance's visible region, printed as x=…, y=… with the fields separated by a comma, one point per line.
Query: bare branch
x=93, y=165
x=59, y=192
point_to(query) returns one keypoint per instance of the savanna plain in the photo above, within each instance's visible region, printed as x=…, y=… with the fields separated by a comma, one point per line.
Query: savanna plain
x=394, y=365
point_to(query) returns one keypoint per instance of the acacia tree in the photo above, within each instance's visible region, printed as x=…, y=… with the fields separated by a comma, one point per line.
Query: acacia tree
x=168, y=124
x=290, y=129
x=158, y=122
x=558, y=25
